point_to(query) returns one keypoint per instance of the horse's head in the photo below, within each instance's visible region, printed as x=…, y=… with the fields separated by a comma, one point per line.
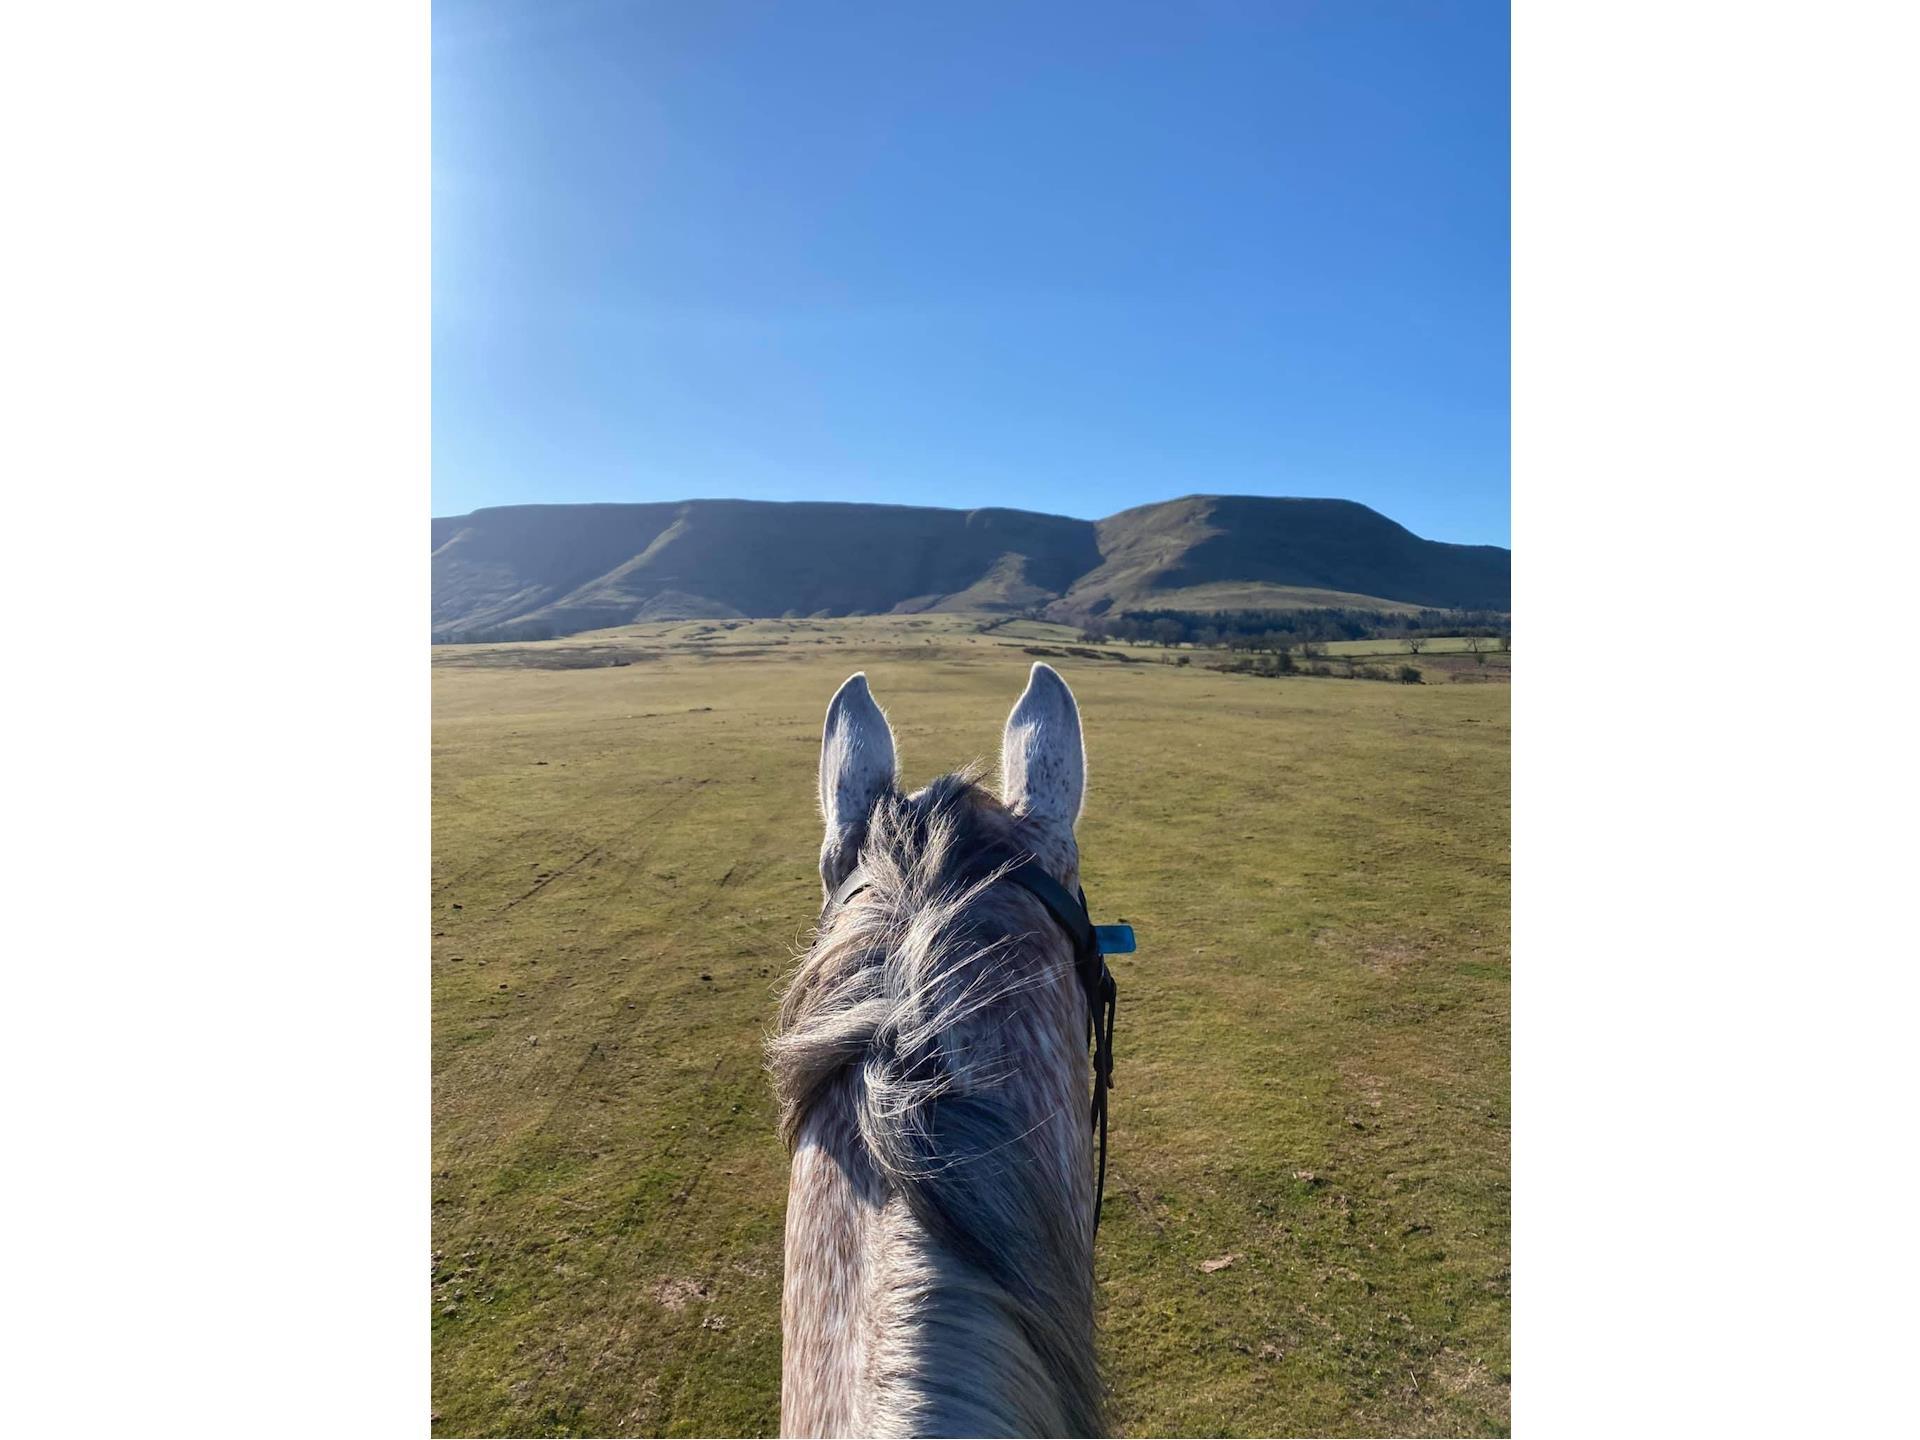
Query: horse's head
x=932, y=1070
x=1043, y=778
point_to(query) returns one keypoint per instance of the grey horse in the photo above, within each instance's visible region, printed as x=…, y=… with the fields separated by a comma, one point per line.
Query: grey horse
x=932, y=1071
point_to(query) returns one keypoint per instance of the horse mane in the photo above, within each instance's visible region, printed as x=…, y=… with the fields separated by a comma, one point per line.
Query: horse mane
x=939, y=1019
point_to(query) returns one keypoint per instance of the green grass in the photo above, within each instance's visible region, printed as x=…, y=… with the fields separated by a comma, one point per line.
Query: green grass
x=1312, y=1048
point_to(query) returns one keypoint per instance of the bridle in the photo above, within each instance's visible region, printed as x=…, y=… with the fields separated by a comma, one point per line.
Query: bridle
x=1091, y=945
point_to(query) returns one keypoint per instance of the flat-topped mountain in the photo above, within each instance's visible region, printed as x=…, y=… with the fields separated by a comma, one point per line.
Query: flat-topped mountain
x=564, y=568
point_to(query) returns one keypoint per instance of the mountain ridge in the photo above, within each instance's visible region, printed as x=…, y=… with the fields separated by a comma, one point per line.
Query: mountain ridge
x=566, y=568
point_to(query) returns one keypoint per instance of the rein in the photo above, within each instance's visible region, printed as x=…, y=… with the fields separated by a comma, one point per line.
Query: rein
x=1091, y=945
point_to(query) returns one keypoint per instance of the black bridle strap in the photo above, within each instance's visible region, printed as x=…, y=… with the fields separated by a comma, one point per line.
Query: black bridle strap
x=1096, y=981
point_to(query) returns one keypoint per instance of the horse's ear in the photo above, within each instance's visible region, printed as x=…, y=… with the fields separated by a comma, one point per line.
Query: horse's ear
x=856, y=769
x=1043, y=766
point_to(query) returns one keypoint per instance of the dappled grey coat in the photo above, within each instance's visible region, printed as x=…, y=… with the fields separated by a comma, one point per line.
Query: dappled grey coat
x=932, y=1073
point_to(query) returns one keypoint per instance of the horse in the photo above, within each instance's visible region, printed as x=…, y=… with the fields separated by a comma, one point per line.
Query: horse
x=931, y=1069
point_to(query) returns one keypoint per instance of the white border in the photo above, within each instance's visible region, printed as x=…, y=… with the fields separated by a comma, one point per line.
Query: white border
x=216, y=384
x=1714, y=397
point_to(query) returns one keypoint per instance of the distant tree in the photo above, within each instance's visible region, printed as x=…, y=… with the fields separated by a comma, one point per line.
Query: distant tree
x=1168, y=632
x=1416, y=643
x=1410, y=674
x=1477, y=647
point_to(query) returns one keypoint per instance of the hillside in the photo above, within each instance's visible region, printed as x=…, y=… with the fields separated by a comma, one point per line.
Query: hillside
x=566, y=568
x=1220, y=552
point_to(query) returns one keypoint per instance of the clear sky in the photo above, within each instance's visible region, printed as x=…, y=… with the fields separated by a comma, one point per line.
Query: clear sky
x=1060, y=256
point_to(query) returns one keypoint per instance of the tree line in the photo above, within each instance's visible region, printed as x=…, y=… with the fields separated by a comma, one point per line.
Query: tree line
x=1279, y=631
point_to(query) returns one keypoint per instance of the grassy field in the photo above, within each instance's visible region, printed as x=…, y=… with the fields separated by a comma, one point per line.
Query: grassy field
x=1307, y=1201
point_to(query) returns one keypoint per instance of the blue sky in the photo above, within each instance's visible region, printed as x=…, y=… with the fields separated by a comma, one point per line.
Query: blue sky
x=1057, y=256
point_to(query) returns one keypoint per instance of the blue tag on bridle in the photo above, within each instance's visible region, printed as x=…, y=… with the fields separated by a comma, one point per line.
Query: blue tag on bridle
x=1114, y=939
